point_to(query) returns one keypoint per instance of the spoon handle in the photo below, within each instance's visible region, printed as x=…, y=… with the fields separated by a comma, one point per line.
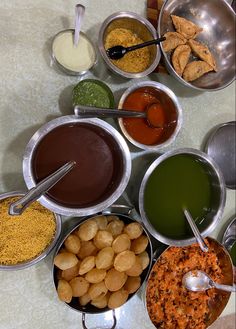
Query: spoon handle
x=145, y=44
x=16, y=208
x=79, y=14
x=91, y=112
x=224, y=287
x=195, y=230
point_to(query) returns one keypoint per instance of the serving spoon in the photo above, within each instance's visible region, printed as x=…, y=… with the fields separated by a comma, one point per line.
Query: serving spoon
x=149, y=114
x=199, y=281
x=17, y=207
x=79, y=14
x=195, y=230
x=118, y=52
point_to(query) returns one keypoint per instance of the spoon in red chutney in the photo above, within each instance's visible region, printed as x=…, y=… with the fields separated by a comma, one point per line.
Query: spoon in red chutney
x=151, y=114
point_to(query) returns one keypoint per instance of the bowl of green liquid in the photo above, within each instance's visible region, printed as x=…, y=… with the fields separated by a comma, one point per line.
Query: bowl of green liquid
x=178, y=180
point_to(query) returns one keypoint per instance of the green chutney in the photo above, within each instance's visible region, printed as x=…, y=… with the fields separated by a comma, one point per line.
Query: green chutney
x=176, y=183
x=92, y=92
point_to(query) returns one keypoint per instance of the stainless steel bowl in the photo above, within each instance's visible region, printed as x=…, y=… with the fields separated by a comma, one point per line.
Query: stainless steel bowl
x=65, y=69
x=142, y=27
x=166, y=96
x=40, y=257
x=125, y=214
x=217, y=202
x=62, y=209
x=217, y=19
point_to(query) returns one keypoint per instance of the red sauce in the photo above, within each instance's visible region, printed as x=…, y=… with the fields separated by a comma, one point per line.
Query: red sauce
x=165, y=118
x=99, y=164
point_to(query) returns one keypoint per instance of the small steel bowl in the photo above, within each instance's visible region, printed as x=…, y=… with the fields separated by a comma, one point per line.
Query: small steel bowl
x=142, y=27
x=45, y=252
x=217, y=202
x=166, y=96
x=217, y=19
x=64, y=209
x=65, y=69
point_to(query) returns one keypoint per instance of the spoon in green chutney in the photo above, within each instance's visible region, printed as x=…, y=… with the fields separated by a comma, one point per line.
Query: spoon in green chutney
x=195, y=230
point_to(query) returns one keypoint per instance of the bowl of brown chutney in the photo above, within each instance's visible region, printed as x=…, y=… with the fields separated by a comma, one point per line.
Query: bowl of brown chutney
x=102, y=169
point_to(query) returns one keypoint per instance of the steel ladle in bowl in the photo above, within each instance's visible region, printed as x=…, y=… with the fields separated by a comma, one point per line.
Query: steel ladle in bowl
x=200, y=281
x=149, y=114
x=17, y=207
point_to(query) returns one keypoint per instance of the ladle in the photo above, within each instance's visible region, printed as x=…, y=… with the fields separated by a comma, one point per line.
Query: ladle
x=195, y=230
x=119, y=51
x=91, y=112
x=79, y=14
x=16, y=208
x=199, y=281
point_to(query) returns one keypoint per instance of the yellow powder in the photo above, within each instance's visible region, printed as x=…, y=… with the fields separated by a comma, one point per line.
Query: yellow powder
x=24, y=237
x=134, y=61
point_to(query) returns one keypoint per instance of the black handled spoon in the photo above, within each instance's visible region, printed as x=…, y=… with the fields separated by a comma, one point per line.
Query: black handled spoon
x=118, y=52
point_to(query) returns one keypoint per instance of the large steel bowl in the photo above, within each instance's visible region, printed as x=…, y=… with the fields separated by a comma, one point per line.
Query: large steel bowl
x=218, y=198
x=217, y=19
x=60, y=208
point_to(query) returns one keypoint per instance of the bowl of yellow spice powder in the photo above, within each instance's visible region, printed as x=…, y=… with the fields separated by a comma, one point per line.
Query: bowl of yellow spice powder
x=26, y=239
x=128, y=29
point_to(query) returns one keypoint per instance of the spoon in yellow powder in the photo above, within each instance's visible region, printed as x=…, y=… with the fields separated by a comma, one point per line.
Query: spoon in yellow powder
x=16, y=208
x=79, y=15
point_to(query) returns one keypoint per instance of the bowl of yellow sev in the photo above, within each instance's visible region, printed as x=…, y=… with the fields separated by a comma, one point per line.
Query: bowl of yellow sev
x=127, y=29
x=26, y=239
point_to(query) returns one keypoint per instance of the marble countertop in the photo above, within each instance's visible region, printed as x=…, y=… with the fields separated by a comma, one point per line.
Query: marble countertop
x=33, y=92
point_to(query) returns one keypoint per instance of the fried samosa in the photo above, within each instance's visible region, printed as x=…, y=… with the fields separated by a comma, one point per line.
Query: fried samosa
x=173, y=39
x=185, y=27
x=203, y=53
x=195, y=70
x=180, y=58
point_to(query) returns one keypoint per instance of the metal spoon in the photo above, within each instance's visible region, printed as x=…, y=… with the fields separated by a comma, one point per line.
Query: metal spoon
x=199, y=281
x=79, y=14
x=16, y=208
x=91, y=112
x=118, y=52
x=195, y=230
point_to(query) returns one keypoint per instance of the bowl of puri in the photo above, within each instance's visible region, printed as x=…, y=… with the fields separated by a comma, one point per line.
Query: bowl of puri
x=163, y=115
x=179, y=180
x=128, y=29
x=101, y=173
x=170, y=304
x=28, y=238
x=199, y=49
x=101, y=263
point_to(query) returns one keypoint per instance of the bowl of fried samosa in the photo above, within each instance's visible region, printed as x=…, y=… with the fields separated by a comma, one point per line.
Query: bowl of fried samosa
x=199, y=50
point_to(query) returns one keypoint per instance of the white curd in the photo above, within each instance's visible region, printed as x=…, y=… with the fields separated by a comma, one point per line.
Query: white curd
x=77, y=59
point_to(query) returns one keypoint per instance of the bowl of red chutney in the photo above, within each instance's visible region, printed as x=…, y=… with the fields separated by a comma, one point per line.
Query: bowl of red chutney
x=163, y=119
x=101, y=173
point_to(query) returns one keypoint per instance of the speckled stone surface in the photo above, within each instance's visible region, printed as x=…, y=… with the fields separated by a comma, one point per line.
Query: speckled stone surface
x=32, y=92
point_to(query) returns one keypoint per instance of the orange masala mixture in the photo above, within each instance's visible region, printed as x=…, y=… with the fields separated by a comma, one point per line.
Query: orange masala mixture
x=170, y=305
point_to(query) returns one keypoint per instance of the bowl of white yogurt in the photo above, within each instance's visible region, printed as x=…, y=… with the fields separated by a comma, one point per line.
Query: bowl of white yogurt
x=70, y=59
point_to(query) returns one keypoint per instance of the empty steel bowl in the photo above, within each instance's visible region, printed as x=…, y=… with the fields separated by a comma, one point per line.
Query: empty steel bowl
x=217, y=19
x=140, y=26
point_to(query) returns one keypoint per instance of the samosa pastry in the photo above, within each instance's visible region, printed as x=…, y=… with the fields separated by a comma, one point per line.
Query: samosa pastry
x=195, y=70
x=173, y=40
x=203, y=52
x=180, y=58
x=185, y=27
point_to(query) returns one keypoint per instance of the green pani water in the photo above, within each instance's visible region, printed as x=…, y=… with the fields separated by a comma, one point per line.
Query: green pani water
x=178, y=182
